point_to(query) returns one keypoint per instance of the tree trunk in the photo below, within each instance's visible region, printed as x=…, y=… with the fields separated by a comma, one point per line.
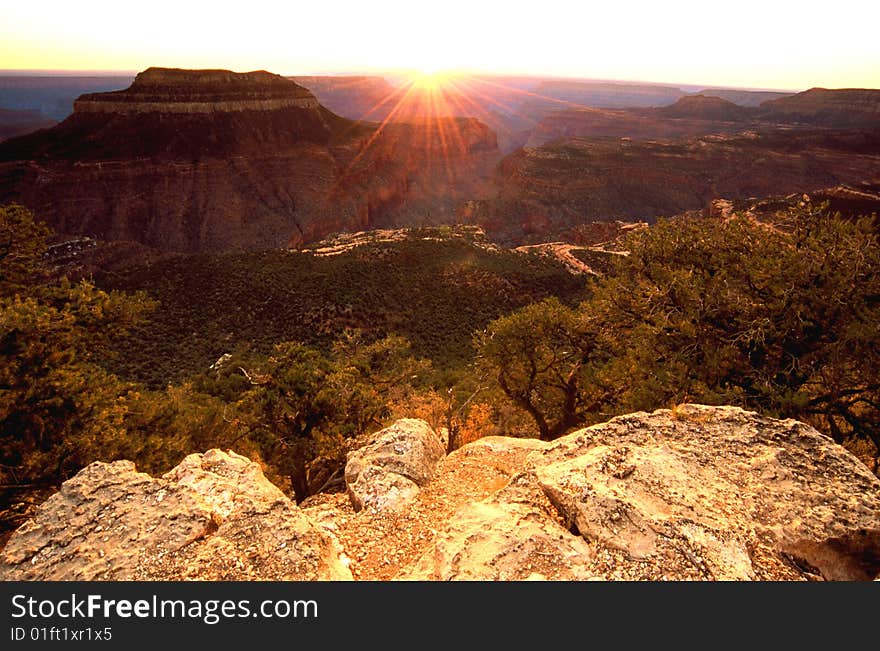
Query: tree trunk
x=523, y=402
x=299, y=480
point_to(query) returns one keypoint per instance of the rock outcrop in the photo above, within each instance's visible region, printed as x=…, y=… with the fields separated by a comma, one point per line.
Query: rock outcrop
x=213, y=517
x=841, y=108
x=748, y=98
x=212, y=160
x=514, y=535
x=188, y=160
x=850, y=201
x=173, y=90
x=387, y=472
x=706, y=107
x=546, y=190
x=592, y=260
x=182, y=116
x=692, y=493
x=719, y=492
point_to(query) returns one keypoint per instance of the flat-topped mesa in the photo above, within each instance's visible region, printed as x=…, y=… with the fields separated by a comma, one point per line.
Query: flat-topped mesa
x=843, y=107
x=706, y=107
x=862, y=99
x=173, y=90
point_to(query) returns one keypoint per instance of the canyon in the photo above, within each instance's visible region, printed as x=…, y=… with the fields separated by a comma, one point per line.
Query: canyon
x=255, y=209
x=211, y=160
x=547, y=190
x=214, y=160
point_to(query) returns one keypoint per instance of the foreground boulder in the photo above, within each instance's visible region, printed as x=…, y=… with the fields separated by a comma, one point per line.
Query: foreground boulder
x=388, y=472
x=514, y=535
x=213, y=517
x=692, y=493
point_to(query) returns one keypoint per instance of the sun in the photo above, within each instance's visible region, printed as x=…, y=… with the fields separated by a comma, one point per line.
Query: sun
x=430, y=77
x=430, y=67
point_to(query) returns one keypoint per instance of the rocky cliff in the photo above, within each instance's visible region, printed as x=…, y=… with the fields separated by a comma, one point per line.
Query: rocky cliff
x=184, y=116
x=750, y=98
x=845, y=107
x=548, y=189
x=706, y=107
x=693, y=493
x=211, y=160
x=687, y=118
x=172, y=90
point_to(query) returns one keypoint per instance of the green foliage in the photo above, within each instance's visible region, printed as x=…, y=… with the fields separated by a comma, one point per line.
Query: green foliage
x=543, y=358
x=366, y=375
x=22, y=246
x=164, y=426
x=433, y=293
x=781, y=318
x=739, y=312
x=291, y=399
x=304, y=403
x=58, y=410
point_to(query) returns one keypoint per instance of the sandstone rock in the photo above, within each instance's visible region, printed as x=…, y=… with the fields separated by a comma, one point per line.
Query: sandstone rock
x=693, y=493
x=189, y=160
x=174, y=90
x=515, y=535
x=548, y=189
x=594, y=261
x=730, y=493
x=843, y=107
x=213, y=160
x=213, y=517
x=389, y=471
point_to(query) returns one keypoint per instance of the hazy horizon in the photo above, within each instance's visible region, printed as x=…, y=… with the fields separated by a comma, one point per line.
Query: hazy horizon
x=394, y=75
x=783, y=46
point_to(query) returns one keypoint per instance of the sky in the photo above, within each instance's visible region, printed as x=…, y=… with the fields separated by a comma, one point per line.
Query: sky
x=747, y=43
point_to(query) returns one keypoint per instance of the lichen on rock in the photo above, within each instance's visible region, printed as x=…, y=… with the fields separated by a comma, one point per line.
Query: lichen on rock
x=389, y=470
x=693, y=493
x=214, y=516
